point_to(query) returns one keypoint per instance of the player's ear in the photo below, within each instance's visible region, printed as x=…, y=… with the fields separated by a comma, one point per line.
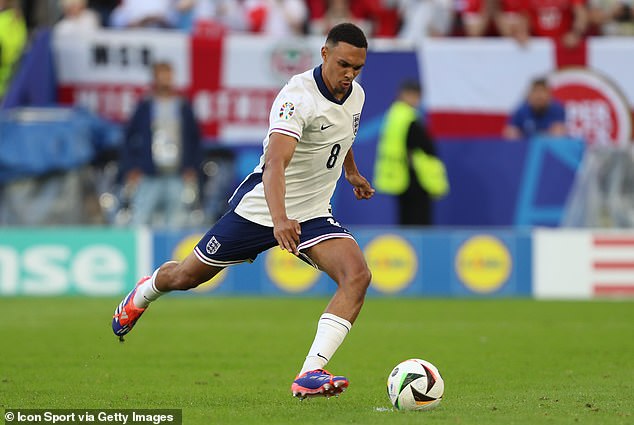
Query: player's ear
x=324, y=52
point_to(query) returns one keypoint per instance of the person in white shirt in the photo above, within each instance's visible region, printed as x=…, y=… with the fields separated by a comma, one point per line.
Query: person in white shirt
x=285, y=201
x=77, y=18
x=277, y=18
x=144, y=14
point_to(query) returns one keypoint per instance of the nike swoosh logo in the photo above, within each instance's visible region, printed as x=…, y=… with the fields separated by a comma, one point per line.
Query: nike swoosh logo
x=319, y=355
x=323, y=127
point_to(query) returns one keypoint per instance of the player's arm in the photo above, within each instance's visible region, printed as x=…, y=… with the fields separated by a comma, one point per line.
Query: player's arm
x=278, y=155
x=360, y=185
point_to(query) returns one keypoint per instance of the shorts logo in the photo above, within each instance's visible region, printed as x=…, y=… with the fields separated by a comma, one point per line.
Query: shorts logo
x=356, y=118
x=287, y=110
x=333, y=222
x=213, y=245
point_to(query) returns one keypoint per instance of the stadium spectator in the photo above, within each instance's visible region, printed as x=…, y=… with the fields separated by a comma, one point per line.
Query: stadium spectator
x=279, y=18
x=425, y=18
x=76, y=18
x=564, y=21
x=13, y=34
x=406, y=163
x=477, y=18
x=612, y=17
x=144, y=14
x=385, y=15
x=103, y=8
x=510, y=20
x=539, y=114
x=229, y=14
x=337, y=12
x=38, y=14
x=161, y=153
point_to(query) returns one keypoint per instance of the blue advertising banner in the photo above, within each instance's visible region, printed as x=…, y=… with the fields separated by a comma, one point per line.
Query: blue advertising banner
x=404, y=262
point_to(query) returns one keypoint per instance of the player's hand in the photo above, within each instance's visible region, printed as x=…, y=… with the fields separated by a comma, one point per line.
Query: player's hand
x=360, y=186
x=286, y=233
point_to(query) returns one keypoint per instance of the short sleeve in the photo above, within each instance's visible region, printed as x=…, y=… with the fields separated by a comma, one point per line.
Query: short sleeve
x=290, y=113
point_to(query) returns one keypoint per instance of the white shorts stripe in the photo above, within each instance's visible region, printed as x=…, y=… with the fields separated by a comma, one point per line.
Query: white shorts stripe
x=321, y=238
x=217, y=263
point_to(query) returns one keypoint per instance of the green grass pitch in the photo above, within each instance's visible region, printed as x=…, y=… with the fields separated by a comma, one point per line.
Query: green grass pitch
x=231, y=360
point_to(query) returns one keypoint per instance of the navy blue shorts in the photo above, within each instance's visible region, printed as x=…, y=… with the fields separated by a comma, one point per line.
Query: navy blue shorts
x=234, y=239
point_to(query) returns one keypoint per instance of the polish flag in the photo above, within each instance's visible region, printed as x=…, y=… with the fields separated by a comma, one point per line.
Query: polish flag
x=472, y=85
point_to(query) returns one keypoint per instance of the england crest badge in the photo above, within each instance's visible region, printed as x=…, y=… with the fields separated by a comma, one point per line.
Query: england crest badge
x=213, y=245
x=355, y=123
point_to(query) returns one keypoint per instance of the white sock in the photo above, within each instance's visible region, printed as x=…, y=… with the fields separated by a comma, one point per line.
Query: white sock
x=331, y=331
x=147, y=292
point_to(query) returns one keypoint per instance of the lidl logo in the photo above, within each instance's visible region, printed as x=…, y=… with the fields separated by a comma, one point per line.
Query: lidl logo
x=483, y=264
x=289, y=272
x=392, y=261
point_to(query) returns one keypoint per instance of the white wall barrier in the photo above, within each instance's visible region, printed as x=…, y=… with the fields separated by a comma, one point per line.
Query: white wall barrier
x=583, y=264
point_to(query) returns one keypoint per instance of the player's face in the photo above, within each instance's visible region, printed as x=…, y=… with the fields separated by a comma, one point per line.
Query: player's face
x=342, y=64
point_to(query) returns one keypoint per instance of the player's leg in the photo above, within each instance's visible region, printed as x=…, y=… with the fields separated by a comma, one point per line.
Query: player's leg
x=231, y=240
x=175, y=276
x=343, y=261
x=170, y=276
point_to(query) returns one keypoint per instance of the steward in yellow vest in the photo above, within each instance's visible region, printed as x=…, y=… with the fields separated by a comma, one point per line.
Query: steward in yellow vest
x=13, y=35
x=406, y=162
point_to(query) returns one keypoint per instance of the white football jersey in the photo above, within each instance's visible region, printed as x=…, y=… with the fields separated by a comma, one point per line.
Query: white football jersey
x=325, y=129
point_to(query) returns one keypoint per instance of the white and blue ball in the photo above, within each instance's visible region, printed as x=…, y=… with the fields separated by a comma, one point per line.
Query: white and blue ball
x=415, y=384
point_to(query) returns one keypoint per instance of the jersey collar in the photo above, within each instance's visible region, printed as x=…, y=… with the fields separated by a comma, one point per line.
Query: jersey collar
x=321, y=85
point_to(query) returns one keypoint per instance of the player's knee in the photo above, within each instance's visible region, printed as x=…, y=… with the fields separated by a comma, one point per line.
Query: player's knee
x=365, y=276
x=359, y=281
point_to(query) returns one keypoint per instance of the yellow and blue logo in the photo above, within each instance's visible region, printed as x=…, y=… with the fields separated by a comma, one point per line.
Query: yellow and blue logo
x=393, y=263
x=289, y=272
x=483, y=264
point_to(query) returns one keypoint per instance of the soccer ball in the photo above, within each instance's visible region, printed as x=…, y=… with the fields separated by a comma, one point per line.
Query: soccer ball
x=415, y=384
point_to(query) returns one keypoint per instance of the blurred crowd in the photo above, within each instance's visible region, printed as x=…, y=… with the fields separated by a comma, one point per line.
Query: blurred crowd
x=160, y=148
x=566, y=20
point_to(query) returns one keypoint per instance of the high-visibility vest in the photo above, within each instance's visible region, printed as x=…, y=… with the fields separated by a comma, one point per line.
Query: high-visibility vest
x=13, y=35
x=391, y=173
x=391, y=168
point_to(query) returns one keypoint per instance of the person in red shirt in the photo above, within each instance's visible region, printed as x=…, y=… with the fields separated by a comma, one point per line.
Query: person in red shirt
x=478, y=16
x=564, y=21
